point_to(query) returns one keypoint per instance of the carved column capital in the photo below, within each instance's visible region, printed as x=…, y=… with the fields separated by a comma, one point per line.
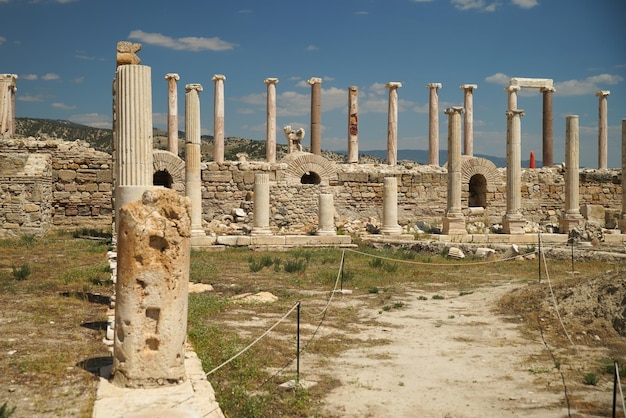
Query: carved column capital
x=269, y=81
x=218, y=77
x=433, y=85
x=547, y=89
x=515, y=112
x=468, y=87
x=197, y=87
x=393, y=85
x=172, y=76
x=454, y=109
x=314, y=80
x=603, y=93
x=512, y=89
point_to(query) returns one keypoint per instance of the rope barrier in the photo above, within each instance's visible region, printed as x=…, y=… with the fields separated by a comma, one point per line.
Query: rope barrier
x=619, y=385
x=253, y=342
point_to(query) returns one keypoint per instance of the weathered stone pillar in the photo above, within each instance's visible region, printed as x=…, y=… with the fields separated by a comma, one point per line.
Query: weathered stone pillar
x=353, y=125
x=392, y=123
x=548, y=135
x=326, y=215
x=316, y=115
x=172, y=113
x=270, y=127
x=390, y=207
x=218, y=118
x=513, y=222
x=433, y=124
x=572, y=215
x=8, y=88
x=602, y=128
x=512, y=96
x=133, y=127
x=261, y=210
x=153, y=250
x=622, y=221
x=454, y=221
x=193, y=156
x=468, y=120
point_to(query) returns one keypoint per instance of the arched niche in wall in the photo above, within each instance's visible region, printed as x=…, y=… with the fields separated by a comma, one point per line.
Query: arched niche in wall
x=306, y=168
x=168, y=169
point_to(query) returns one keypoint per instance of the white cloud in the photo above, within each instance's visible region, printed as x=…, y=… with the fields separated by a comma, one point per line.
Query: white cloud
x=525, y=4
x=95, y=120
x=587, y=86
x=2, y=38
x=292, y=103
x=63, y=106
x=50, y=77
x=79, y=80
x=29, y=77
x=312, y=48
x=480, y=5
x=361, y=13
x=245, y=111
x=498, y=78
x=29, y=98
x=190, y=43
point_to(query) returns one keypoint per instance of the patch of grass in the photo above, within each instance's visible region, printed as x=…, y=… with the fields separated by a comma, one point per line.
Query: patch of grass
x=5, y=411
x=591, y=379
x=295, y=266
x=373, y=290
x=22, y=272
x=438, y=297
x=465, y=292
x=422, y=297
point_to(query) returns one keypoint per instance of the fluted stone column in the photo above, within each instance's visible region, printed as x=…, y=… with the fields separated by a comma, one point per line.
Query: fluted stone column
x=454, y=221
x=316, y=115
x=602, y=128
x=433, y=124
x=513, y=222
x=468, y=120
x=622, y=221
x=8, y=88
x=133, y=125
x=512, y=96
x=193, y=156
x=326, y=210
x=392, y=123
x=353, y=125
x=172, y=113
x=218, y=118
x=151, y=291
x=270, y=127
x=261, y=210
x=572, y=215
x=548, y=135
x=390, y=207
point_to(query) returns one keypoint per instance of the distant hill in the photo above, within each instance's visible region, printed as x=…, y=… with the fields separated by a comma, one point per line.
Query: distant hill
x=102, y=140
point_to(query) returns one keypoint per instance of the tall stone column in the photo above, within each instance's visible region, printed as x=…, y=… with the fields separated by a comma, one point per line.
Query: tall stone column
x=454, y=221
x=270, y=127
x=513, y=222
x=218, y=118
x=433, y=124
x=193, y=156
x=133, y=128
x=172, y=113
x=390, y=207
x=572, y=215
x=602, y=128
x=353, y=125
x=153, y=250
x=622, y=221
x=548, y=135
x=392, y=123
x=326, y=216
x=316, y=115
x=261, y=209
x=468, y=121
x=512, y=96
x=8, y=88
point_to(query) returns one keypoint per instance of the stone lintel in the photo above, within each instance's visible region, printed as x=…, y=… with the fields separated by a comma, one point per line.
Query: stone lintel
x=531, y=82
x=453, y=225
x=468, y=86
x=271, y=81
x=172, y=76
x=314, y=80
x=194, y=86
x=393, y=85
x=433, y=85
x=218, y=77
x=603, y=93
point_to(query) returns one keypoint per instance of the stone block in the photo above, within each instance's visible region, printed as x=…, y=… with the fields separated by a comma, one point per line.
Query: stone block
x=219, y=176
x=66, y=175
x=595, y=213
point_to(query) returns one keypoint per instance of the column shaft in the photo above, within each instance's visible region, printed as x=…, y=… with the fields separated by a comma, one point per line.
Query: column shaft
x=270, y=127
x=454, y=221
x=392, y=123
x=468, y=121
x=353, y=125
x=316, y=115
x=193, y=174
x=390, y=207
x=572, y=211
x=602, y=129
x=218, y=118
x=548, y=135
x=433, y=124
x=326, y=216
x=172, y=113
x=513, y=223
x=261, y=209
x=622, y=221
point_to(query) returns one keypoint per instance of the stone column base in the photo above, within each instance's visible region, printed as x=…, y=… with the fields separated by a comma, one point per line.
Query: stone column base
x=391, y=230
x=513, y=226
x=326, y=232
x=569, y=222
x=200, y=241
x=621, y=223
x=454, y=225
x=258, y=230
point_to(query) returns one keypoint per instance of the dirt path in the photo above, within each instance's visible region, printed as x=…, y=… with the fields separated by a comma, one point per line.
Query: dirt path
x=447, y=358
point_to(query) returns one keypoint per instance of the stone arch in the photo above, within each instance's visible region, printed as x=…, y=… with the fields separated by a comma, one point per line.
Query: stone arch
x=305, y=165
x=471, y=166
x=170, y=163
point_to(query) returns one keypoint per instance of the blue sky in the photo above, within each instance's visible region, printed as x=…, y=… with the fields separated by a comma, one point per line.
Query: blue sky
x=64, y=53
